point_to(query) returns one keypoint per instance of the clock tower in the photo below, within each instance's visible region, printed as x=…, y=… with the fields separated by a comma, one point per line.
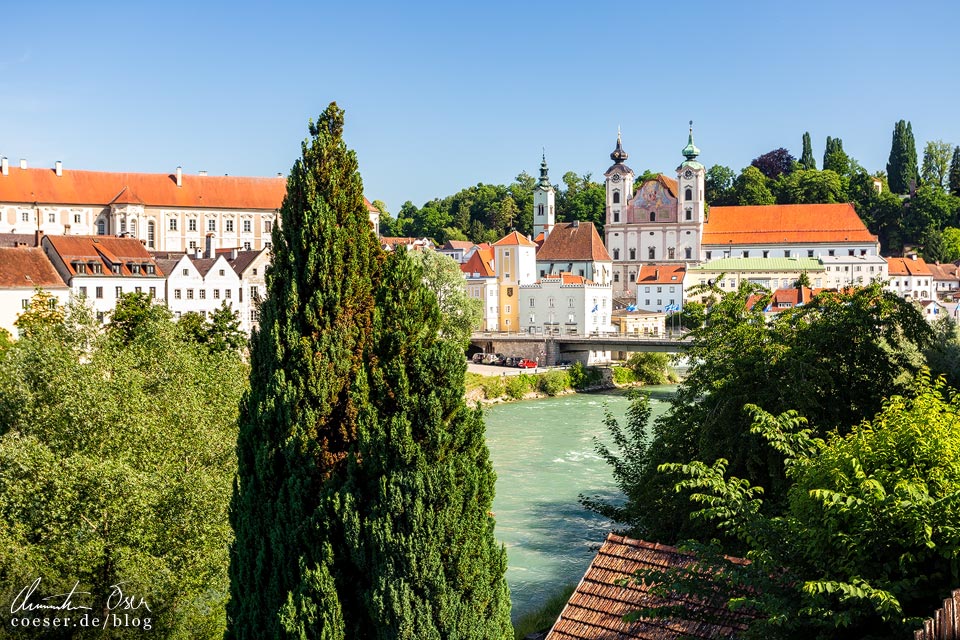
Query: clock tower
x=691, y=213
x=619, y=188
x=544, y=199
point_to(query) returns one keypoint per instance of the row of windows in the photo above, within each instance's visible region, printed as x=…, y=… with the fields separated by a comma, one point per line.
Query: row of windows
x=652, y=253
x=687, y=215
x=671, y=288
x=227, y=293
x=646, y=303
x=98, y=292
x=551, y=303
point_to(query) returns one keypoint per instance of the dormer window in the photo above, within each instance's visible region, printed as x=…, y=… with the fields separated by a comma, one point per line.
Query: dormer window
x=115, y=268
x=134, y=268
x=97, y=267
x=150, y=269
x=79, y=267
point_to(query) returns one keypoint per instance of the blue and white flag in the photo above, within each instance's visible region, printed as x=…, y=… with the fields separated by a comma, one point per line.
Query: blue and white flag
x=595, y=307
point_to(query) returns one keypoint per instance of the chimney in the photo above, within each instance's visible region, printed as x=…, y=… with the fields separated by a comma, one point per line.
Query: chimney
x=37, y=237
x=656, y=275
x=211, y=244
x=59, y=168
x=201, y=173
x=576, y=224
x=4, y=166
x=198, y=254
x=23, y=163
x=179, y=176
x=233, y=253
x=913, y=256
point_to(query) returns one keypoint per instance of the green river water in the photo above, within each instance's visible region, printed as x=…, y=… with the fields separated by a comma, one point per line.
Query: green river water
x=543, y=453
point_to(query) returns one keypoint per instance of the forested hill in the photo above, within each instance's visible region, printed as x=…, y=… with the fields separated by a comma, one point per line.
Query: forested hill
x=918, y=205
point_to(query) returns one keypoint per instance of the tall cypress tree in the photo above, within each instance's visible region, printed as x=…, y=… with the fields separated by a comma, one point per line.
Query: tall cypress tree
x=954, y=179
x=807, y=159
x=362, y=503
x=902, y=165
x=298, y=422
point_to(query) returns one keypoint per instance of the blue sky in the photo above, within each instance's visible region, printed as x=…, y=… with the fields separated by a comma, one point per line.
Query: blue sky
x=440, y=96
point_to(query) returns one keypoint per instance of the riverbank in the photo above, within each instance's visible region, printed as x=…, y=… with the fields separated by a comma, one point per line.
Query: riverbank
x=512, y=385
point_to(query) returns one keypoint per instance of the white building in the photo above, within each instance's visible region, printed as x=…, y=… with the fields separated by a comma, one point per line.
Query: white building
x=853, y=270
x=199, y=285
x=570, y=305
x=168, y=212
x=102, y=268
x=250, y=267
x=24, y=269
x=910, y=278
x=482, y=285
x=544, y=202
x=946, y=279
x=660, y=287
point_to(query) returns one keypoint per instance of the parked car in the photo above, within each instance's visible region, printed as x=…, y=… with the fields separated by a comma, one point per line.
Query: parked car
x=501, y=360
x=478, y=357
x=524, y=363
x=510, y=361
x=490, y=358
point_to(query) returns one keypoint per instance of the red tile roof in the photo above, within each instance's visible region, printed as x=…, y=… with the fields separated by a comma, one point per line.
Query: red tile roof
x=567, y=278
x=513, y=239
x=669, y=183
x=596, y=609
x=907, y=267
x=575, y=242
x=105, y=250
x=480, y=262
x=661, y=274
x=785, y=223
x=155, y=189
x=366, y=203
x=26, y=268
x=943, y=271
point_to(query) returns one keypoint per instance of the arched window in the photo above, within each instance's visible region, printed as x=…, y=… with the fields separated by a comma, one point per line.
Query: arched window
x=688, y=194
x=539, y=209
x=133, y=227
x=653, y=216
x=633, y=254
x=616, y=276
x=101, y=228
x=670, y=253
x=616, y=197
x=652, y=253
x=616, y=254
x=151, y=233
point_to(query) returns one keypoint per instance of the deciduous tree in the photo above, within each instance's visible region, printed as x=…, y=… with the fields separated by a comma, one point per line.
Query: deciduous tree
x=935, y=170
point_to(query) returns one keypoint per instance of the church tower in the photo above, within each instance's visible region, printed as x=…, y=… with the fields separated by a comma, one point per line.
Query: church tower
x=543, y=203
x=691, y=176
x=619, y=230
x=619, y=182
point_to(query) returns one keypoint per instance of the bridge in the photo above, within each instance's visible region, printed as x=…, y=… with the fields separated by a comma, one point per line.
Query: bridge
x=550, y=349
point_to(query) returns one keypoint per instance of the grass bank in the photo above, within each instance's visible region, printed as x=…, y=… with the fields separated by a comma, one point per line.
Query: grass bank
x=543, y=618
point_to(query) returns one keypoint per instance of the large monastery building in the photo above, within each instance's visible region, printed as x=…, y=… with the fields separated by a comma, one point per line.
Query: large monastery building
x=667, y=221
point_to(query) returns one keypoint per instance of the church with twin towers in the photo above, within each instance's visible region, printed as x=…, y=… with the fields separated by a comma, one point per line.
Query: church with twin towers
x=665, y=224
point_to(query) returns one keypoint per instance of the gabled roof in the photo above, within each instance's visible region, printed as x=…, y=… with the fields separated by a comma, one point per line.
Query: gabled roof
x=106, y=250
x=369, y=206
x=43, y=186
x=907, y=267
x=27, y=268
x=944, y=271
x=785, y=223
x=786, y=298
x=573, y=241
x=452, y=245
x=481, y=262
x=596, y=609
x=243, y=260
x=662, y=274
x=126, y=196
x=565, y=278
x=513, y=239
x=18, y=240
x=669, y=183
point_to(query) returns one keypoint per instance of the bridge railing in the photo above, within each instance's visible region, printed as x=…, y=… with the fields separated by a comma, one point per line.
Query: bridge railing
x=611, y=335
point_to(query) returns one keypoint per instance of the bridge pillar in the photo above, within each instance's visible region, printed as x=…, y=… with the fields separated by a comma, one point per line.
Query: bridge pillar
x=552, y=351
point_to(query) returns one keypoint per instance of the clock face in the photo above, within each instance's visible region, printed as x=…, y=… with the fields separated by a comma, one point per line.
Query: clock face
x=616, y=177
x=688, y=174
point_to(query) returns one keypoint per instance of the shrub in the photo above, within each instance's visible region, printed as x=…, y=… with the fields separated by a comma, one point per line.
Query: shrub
x=624, y=375
x=554, y=382
x=649, y=368
x=493, y=387
x=578, y=375
x=518, y=386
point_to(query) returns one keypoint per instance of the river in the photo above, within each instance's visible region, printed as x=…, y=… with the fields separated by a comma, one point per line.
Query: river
x=543, y=453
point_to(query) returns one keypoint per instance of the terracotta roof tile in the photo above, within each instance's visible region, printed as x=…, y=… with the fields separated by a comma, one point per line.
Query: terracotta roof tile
x=513, y=239
x=43, y=186
x=943, y=271
x=573, y=241
x=907, y=267
x=27, y=268
x=18, y=240
x=785, y=223
x=103, y=250
x=481, y=263
x=243, y=260
x=596, y=609
x=466, y=245
x=661, y=274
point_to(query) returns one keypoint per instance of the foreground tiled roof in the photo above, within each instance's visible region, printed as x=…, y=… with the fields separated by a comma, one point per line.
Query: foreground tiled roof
x=785, y=223
x=513, y=239
x=26, y=268
x=661, y=274
x=575, y=242
x=907, y=267
x=43, y=186
x=596, y=609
